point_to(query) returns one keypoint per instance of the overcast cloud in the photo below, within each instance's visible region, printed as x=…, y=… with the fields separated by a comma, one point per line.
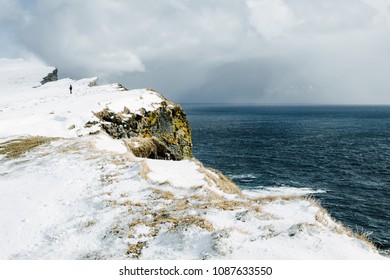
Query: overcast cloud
x=262, y=51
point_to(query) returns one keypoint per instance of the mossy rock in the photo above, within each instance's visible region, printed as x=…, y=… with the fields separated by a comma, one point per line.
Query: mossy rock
x=168, y=124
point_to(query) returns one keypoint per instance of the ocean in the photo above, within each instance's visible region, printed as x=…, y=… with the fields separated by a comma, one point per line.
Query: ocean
x=341, y=154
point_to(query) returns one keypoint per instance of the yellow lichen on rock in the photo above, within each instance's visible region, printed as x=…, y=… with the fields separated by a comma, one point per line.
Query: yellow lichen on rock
x=168, y=124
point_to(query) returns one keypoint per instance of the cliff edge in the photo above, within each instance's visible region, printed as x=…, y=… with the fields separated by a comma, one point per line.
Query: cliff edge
x=82, y=177
x=163, y=133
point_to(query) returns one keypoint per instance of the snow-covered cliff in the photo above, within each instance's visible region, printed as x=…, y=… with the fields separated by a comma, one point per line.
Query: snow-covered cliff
x=73, y=184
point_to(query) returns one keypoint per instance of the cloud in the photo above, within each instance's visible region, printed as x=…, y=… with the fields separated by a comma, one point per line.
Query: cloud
x=271, y=17
x=9, y=12
x=325, y=51
x=80, y=35
x=326, y=17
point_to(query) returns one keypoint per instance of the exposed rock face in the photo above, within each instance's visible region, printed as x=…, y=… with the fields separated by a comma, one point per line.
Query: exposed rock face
x=160, y=134
x=51, y=77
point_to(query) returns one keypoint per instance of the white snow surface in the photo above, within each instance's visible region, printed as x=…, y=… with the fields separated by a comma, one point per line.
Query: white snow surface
x=18, y=73
x=178, y=173
x=50, y=109
x=84, y=196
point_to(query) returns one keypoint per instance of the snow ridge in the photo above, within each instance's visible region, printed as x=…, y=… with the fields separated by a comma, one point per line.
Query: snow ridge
x=79, y=194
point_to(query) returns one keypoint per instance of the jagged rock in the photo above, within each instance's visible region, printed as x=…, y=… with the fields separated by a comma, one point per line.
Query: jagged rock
x=94, y=83
x=51, y=77
x=167, y=129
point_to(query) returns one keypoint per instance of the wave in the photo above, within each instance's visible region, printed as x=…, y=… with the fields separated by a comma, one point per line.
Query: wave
x=385, y=252
x=284, y=191
x=242, y=176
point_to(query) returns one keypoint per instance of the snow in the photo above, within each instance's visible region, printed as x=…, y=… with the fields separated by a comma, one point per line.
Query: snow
x=178, y=173
x=106, y=143
x=82, y=196
x=50, y=110
x=22, y=74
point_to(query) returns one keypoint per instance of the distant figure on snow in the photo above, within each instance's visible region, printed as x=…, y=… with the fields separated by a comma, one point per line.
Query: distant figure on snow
x=70, y=89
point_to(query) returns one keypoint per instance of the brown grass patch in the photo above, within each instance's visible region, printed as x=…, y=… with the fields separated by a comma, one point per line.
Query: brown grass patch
x=257, y=208
x=117, y=230
x=109, y=179
x=197, y=197
x=225, y=205
x=17, y=147
x=78, y=148
x=129, y=203
x=195, y=221
x=324, y=218
x=148, y=147
x=135, y=250
x=363, y=236
x=141, y=147
x=215, y=177
x=175, y=219
x=136, y=223
x=267, y=199
x=182, y=205
x=213, y=200
x=162, y=194
x=211, y=195
x=183, y=221
x=144, y=170
x=111, y=202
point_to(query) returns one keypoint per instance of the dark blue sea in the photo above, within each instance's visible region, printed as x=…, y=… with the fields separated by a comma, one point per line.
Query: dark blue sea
x=342, y=152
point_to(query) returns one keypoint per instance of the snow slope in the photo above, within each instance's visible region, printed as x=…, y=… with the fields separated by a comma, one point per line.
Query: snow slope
x=81, y=196
x=16, y=74
x=49, y=109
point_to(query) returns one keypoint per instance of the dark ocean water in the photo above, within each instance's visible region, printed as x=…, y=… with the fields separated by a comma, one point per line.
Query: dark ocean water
x=342, y=150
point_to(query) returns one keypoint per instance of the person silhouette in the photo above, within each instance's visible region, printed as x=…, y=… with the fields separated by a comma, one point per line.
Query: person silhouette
x=70, y=89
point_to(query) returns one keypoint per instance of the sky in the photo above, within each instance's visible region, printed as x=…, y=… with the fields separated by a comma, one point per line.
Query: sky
x=239, y=51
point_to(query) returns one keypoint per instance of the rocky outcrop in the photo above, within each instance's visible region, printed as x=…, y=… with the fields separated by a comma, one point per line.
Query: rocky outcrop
x=51, y=77
x=160, y=134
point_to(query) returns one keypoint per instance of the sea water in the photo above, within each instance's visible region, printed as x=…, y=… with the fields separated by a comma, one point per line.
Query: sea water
x=338, y=154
